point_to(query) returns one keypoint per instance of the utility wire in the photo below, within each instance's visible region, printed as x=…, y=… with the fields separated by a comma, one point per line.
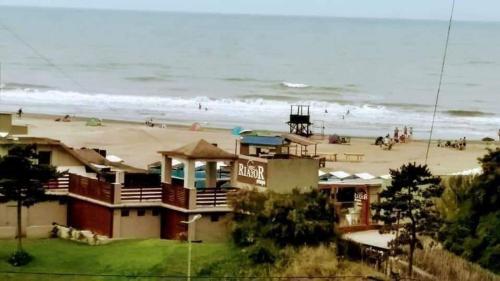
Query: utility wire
x=182, y=277
x=43, y=57
x=440, y=80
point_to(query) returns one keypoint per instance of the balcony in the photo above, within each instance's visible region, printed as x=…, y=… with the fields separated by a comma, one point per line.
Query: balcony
x=59, y=184
x=141, y=194
x=91, y=188
x=171, y=194
x=175, y=195
x=212, y=197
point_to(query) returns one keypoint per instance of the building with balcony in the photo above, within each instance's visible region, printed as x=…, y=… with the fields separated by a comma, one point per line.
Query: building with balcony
x=352, y=196
x=102, y=194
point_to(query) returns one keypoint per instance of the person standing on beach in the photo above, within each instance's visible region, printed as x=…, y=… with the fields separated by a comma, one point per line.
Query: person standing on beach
x=199, y=106
x=396, y=134
x=405, y=131
x=20, y=113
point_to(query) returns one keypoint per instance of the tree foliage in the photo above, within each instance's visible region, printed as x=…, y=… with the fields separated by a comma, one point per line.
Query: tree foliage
x=22, y=180
x=266, y=221
x=409, y=200
x=474, y=230
x=455, y=193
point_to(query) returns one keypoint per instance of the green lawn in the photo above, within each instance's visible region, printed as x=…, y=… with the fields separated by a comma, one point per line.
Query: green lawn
x=126, y=257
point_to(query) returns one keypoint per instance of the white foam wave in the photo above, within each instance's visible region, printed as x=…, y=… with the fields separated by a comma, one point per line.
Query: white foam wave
x=294, y=85
x=367, y=120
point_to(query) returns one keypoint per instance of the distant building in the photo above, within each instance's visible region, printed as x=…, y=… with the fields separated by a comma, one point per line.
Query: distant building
x=7, y=128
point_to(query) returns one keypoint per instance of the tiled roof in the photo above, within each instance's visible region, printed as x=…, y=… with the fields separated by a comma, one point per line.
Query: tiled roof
x=200, y=150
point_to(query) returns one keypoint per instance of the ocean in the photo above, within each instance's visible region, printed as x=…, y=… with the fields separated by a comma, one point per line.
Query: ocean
x=246, y=70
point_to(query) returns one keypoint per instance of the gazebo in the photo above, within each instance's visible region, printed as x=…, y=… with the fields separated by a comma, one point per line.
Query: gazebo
x=189, y=155
x=184, y=200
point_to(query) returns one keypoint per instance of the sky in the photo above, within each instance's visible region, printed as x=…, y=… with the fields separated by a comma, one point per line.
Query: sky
x=475, y=10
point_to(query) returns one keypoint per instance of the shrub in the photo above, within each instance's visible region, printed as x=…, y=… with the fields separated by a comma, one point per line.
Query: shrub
x=310, y=262
x=20, y=258
x=473, y=229
x=263, y=252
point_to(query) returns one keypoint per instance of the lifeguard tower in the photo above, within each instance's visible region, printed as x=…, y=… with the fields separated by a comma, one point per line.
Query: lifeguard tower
x=300, y=120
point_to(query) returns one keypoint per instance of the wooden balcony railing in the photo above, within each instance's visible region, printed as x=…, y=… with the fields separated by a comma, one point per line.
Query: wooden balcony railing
x=212, y=197
x=141, y=194
x=91, y=188
x=59, y=183
x=175, y=195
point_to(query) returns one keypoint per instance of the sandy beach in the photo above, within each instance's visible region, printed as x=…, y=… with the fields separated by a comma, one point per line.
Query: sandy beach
x=138, y=144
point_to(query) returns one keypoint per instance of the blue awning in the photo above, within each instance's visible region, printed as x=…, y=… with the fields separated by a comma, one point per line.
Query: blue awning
x=263, y=140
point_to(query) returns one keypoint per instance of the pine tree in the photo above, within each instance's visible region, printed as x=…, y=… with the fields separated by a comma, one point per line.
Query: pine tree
x=22, y=180
x=409, y=202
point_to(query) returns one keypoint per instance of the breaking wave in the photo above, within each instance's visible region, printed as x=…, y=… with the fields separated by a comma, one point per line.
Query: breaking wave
x=294, y=85
x=254, y=113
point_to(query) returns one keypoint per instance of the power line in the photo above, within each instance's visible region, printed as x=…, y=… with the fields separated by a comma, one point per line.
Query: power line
x=43, y=57
x=194, y=277
x=440, y=80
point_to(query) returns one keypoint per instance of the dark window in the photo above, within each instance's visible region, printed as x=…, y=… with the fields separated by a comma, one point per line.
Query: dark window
x=125, y=213
x=44, y=157
x=156, y=212
x=141, y=212
x=214, y=217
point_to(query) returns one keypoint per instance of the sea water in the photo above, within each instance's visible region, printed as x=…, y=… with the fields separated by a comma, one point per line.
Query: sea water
x=360, y=76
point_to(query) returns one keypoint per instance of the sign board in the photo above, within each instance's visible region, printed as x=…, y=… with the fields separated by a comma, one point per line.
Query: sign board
x=360, y=196
x=252, y=172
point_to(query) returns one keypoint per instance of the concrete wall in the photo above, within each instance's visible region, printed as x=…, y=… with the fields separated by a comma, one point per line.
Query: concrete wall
x=59, y=156
x=5, y=122
x=134, y=226
x=207, y=230
x=283, y=175
x=36, y=220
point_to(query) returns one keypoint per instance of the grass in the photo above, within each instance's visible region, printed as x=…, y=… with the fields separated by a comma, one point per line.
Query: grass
x=448, y=267
x=136, y=259
x=127, y=257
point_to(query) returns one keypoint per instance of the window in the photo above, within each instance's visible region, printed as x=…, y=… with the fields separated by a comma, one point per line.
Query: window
x=125, y=212
x=44, y=157
x=141, y=212
x=156, y=212
x=214, y=217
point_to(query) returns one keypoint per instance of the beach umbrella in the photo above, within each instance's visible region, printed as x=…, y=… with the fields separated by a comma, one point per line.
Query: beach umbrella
x=195, y=126
x=236, y=131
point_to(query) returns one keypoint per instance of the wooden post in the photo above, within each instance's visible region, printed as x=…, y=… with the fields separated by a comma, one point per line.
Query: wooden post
x=367, y=207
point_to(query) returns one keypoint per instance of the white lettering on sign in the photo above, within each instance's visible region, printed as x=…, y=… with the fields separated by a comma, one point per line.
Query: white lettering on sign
x=360, y=196
x=253, y=171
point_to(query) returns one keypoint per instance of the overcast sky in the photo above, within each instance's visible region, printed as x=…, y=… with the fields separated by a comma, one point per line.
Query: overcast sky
x=479, y=10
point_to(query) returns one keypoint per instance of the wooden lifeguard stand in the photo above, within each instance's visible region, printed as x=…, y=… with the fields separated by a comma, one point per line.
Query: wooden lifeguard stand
x=300, y=120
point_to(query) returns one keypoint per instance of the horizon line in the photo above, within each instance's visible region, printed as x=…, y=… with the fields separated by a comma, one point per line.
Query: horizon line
x=243, y=14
